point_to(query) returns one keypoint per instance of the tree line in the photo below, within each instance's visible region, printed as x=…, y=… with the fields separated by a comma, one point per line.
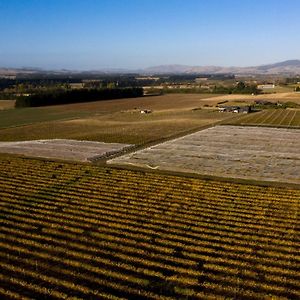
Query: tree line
x=76, y=96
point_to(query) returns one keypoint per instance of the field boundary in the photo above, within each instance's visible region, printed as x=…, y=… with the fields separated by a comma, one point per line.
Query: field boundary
x=102, y=161
x=144, y=170
x=261, y=183
x=250, y=153
x=262, y=125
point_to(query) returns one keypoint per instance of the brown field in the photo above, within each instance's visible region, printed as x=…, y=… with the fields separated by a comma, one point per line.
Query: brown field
x=114, y=121
x=26, y=116
x=7, y=104
x=256, y=153
x=158, y=103
x=248, y=99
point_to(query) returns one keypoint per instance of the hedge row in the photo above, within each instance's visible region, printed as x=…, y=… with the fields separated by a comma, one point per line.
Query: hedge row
x=76, y=96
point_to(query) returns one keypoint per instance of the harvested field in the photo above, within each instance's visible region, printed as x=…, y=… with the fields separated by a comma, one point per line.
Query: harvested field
x=85, y=232
x=62, y=149
x=25, y=116
x=128, y=127
x=257, y=153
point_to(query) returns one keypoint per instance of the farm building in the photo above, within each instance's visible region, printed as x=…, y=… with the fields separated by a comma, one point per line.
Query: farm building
x=146, y=111
x=236, y=109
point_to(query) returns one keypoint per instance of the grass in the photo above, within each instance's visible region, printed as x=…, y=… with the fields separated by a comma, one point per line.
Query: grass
x=111, y=121
x=132, y=128
x=279, y=89
x=24, y=116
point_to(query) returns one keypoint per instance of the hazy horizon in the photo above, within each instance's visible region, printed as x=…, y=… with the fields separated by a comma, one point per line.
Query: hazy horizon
x=132, y=34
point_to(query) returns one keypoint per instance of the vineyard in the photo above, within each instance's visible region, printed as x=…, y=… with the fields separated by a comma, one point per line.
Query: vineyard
x=248, y=152
x=93, y=232
x=271, y=117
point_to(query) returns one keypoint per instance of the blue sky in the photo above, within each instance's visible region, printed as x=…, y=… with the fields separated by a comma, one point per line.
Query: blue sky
x=95, y=34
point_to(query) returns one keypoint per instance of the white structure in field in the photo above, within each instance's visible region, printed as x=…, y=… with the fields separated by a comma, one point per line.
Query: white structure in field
x=266, y=86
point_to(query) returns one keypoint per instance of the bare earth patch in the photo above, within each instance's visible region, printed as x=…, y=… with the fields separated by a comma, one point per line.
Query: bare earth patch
x=268, y=154
x=62, y=149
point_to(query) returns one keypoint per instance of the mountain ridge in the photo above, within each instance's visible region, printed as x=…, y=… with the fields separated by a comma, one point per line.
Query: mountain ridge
x=287, y=67
x=284, y=67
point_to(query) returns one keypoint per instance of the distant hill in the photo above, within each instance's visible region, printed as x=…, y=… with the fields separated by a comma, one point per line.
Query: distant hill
x=288, y=67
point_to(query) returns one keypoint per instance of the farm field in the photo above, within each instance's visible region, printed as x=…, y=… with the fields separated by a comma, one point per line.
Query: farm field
x=117, y=121
x=25, y=116
x=77, y=230
x=62, y=149
x=270, y=117
x=7, y=104
x=274, y=97
x=256, y=153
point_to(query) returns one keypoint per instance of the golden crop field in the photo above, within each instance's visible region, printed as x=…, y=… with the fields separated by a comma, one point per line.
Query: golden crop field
x=271, y=117
x=77, y=230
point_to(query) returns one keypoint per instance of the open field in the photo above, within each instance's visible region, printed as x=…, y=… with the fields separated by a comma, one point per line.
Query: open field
x=256, y=153
x=6, y=104
x=248, y=99
x=270, y=117
x=62, y=149
x=23, y=116
x=91, y=232
x=117, y=121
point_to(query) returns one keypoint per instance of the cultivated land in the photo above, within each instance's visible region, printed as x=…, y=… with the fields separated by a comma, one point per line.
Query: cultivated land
x=273, y=97
x=258, y=153
x=7, y=104
x=270, y=117
x=62, y=149
x=77, y=230
x=114, y=121
x=100, y=233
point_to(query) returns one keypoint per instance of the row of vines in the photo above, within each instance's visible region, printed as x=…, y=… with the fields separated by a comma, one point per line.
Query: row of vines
x=101, y=233
x=271, y=117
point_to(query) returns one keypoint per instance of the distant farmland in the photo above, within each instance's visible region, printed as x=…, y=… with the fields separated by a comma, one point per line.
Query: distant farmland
x=100, y=233
x=112, y=121
x=271, y=117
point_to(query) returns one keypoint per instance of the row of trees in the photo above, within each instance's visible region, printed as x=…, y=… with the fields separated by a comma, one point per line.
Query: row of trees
x=239, y=88
x=76, y=96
